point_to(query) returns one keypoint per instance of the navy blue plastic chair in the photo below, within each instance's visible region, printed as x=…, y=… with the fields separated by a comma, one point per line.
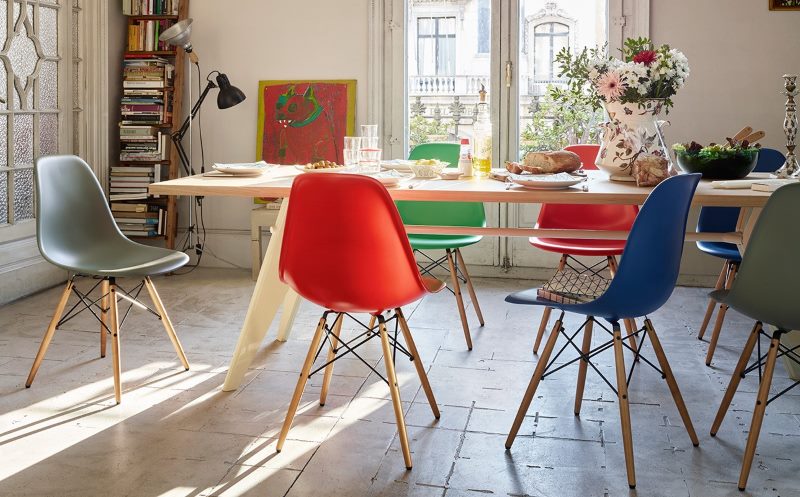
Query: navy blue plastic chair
x=722, y=220
x=644, y=281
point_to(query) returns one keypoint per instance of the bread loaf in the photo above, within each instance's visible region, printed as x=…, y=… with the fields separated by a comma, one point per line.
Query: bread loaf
x=561, y=161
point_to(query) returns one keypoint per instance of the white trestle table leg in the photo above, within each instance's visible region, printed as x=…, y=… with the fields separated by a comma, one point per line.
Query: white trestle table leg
x=268, y=294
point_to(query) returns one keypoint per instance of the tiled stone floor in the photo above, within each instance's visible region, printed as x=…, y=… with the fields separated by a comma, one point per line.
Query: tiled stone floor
x=177, y=434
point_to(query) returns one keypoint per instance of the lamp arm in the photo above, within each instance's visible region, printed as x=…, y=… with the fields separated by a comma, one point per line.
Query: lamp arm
x=177, y=136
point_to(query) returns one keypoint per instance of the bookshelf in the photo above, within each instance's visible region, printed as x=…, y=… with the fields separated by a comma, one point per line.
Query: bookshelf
x=150, y=112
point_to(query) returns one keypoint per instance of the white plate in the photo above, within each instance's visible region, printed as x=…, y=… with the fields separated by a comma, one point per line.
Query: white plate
x=557, y=181
x=389, y=178
x=450, y=174
x=404, y=165
x=242, y=169
x=324, y=170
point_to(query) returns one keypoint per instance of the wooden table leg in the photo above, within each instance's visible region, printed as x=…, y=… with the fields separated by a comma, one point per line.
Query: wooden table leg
x=267, y=296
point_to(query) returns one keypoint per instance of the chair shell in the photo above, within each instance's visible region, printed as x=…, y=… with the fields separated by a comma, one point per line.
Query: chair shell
x=344, y=246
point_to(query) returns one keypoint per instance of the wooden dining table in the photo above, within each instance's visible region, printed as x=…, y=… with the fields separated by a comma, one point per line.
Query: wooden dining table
x=269, y=292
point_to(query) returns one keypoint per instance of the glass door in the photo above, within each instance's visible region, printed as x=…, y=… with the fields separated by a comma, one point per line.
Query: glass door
x=542, y=116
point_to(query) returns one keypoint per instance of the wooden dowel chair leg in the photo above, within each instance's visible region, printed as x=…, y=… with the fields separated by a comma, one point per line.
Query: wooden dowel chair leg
x=760, y=408
x=735, y=378
x=301, y=383
x=459, y=298
x=470, y=288
x=624, y=407
x=712, y=346
x=51, y=330
x=104, y=326
x=534, y=383
x=712, y=303
x=173, y=337
x=583, y=364
x=423, y=376
x=671, y=383
x=334, y=339
x=116, y=361
x=395, y=392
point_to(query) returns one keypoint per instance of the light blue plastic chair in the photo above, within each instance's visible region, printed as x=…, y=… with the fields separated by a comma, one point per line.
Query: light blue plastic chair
x=76, y=232
x=644, y=281
x=722, y=220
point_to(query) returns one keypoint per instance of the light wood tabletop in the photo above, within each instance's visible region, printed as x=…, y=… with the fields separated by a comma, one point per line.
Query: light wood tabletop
x=270, y=293
x=276, y=183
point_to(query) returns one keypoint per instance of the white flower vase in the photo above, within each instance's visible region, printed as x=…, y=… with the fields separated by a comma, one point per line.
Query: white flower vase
x=633, y=130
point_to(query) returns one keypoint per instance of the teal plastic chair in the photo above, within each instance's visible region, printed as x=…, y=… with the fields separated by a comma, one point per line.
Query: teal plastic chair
x=765, y=289
x=76, y=232
x=445, y=214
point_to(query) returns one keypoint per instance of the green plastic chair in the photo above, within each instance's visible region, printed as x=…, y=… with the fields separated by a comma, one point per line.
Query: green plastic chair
x=76, y=232
x=765, y=289
x=445, y=214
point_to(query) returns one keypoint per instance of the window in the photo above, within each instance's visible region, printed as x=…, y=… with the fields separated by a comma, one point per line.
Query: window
x=29, y=85
x=436, y=46
x=484, y=28
x=548, y=39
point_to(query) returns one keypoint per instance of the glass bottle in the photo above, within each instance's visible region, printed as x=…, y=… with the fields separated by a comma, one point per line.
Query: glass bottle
x=465, y=159
x=482, y=138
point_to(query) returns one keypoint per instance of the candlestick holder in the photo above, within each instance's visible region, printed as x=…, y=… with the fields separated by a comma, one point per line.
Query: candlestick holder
x=790, y=168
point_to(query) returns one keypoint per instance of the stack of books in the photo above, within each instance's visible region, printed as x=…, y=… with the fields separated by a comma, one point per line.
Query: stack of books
x=130, y=182
x=139, y=219
x=570, y=287
x=150, y=7
x=143, y=36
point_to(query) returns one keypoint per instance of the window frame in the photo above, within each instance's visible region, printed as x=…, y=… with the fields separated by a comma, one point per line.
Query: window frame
x=436, y=37
x=387, y=54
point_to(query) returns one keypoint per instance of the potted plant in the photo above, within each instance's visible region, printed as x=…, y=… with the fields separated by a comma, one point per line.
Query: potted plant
x=634, y=90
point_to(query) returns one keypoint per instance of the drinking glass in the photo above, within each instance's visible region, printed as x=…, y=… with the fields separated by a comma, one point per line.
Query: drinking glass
x=370, y=161
x=369, y=130
x=351, y=151
x=370, y=142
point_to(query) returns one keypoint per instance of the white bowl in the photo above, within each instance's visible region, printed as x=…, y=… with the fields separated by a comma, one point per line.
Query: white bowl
x=427, y=170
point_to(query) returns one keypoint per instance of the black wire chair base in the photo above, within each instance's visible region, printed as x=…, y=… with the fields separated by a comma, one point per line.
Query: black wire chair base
x=760, y=361
x=93, y=305
x=637, y=352
x=579, y=267
x=350, y=346
x=426, y=267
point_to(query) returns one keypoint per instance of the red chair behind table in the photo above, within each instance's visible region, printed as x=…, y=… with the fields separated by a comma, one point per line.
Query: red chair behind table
x=588, y=217
x=345, y=249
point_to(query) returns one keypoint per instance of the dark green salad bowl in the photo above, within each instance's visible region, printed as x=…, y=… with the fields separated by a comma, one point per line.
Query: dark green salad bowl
x=718, y=164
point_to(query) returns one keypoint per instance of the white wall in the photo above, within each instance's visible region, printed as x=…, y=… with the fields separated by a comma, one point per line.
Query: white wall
x=253, y=40
x=737, y=53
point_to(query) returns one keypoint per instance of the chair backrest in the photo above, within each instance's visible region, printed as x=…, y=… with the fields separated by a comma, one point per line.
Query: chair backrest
x=344, y=245
x=72, y=215
x=440, y=213
x=587, y=153
x=766, y=285
x=722, y=219
x=649, y=269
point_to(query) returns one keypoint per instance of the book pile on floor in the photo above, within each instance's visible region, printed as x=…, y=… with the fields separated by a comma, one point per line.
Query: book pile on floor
x=139, y=219
x=571, y=287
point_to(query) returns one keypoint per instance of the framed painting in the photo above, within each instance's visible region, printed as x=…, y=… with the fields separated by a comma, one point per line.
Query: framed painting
x=784, y=4
x=304, y=121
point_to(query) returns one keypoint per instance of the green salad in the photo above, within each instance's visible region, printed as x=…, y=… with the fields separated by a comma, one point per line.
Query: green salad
x=715, y=152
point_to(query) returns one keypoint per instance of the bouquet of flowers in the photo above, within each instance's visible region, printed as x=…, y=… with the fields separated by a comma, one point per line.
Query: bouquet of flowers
x=645, y=72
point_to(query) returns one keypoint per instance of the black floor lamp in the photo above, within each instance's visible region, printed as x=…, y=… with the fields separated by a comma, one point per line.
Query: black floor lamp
x=178, y=35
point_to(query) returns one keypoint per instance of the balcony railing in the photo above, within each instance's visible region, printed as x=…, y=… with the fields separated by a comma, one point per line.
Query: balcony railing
x=446, y=85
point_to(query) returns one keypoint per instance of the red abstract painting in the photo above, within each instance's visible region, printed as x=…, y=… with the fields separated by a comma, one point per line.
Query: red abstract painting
x=304, y=121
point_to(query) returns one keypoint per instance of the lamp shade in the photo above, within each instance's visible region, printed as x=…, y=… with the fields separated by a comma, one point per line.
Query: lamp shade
x=228, y=95
x=178, y=34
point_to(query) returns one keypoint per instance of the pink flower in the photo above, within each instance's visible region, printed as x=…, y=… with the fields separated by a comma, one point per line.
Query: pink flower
x=609, y=86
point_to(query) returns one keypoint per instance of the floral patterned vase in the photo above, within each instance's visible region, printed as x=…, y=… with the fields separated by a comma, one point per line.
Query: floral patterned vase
x=633, y=130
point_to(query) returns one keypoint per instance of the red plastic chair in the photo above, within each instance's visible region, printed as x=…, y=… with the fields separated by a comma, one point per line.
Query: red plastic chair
x=345, y=249
x=587, y=153
x=588, y=217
